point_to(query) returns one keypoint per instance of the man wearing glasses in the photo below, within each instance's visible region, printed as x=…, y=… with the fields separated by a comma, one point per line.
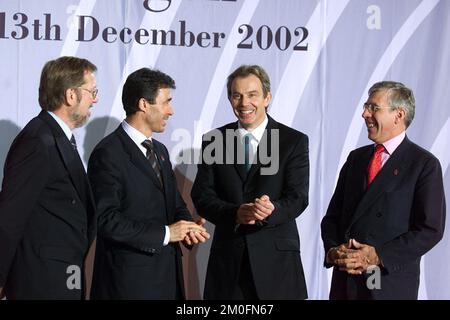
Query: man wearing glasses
x=141, y=215
x=47, y=217
x=388, y=208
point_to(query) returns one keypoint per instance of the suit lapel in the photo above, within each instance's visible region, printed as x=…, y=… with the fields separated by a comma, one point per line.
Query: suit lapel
x=232, y=149
x=166, y=168
x=137, y=157
x=386, y=180
x=71, y=160
x=163, y=162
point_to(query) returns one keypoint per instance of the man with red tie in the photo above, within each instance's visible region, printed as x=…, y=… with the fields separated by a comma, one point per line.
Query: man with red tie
x=388, y=208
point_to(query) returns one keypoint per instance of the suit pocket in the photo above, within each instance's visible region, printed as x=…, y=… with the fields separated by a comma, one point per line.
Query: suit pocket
x=287, y=244
x=57, y=253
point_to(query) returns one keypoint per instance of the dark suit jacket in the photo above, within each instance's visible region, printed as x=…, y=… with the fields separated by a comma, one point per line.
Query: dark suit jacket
x=47, y=218
x=131, y=261
x=401, y=214
x=273, y=246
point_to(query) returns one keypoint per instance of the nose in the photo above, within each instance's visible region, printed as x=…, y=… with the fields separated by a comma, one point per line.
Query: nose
x=245, y=100
x=366, y=114
x=170, y=111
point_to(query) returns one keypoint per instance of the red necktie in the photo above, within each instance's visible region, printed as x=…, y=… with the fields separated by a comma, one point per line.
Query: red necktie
x=375, y=164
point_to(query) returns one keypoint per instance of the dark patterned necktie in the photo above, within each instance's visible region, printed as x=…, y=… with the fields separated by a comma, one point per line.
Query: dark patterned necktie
x=152, y=157
x=375, y=164
x=73, y=142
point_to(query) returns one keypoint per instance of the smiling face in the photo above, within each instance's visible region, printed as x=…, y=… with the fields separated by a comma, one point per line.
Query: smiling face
x=159, y=112
x=248, y=101
x=79, y=113
x=383, y=123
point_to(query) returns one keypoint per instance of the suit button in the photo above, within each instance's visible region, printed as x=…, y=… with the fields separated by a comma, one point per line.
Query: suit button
x=73, y=201
x=379, y=214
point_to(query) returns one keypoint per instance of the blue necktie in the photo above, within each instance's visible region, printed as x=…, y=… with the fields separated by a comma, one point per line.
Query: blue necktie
x=247, y=146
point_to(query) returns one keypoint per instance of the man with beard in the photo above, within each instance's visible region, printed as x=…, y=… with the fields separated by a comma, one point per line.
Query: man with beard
x=388, y=208
x=47, y=217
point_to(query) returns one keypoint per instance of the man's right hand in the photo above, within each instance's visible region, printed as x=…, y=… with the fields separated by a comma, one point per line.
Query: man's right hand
x=180, y=229
x=245, y=214
x=339, y=252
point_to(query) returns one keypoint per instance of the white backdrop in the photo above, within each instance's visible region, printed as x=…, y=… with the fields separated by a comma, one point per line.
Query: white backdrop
x=322, y=56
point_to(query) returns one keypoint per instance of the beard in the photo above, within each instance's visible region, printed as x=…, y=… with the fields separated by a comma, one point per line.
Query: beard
x=78, y=119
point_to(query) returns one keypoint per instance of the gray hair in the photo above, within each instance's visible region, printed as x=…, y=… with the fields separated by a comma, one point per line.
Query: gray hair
x=399, y=96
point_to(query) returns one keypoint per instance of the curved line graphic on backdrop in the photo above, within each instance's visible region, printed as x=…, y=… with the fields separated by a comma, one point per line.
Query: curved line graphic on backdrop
x=221, y=72
x=289, y=93
x=386, y=61
x=440, y=145
x=70, y=46
x=141, y=56
x=398, y=42
x=219, y=79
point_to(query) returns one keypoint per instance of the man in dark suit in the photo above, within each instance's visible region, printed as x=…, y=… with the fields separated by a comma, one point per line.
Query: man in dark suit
x=253, y=197
x=388, y=208
x=47, y=218
x=141, y=215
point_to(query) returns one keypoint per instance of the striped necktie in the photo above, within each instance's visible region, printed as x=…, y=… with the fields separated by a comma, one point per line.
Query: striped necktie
x=153, y=158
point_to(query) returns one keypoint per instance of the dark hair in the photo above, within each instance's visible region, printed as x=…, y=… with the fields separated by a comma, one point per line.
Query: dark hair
x=246, y=70
x=59, y=75
x=143, y=83
x=399, y=96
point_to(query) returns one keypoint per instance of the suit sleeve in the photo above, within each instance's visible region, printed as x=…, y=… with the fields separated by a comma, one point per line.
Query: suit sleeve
x=330, y=231
x=294, y=196
x=25, y=175
x=107, y=180
x=427, y=221
x=206, y=200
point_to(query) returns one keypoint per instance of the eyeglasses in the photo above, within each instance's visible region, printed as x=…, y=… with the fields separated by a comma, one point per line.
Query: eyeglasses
x=372, y=108
x=92, y=92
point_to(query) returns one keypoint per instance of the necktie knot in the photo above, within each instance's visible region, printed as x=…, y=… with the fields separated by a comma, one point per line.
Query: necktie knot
x=379, y=148
x=148, y=144
x=73, y=142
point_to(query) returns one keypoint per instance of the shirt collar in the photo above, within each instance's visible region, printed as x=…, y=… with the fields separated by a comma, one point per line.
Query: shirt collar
x=62, y=124
x=257, y=133
x=393, y=143
x=135, y=135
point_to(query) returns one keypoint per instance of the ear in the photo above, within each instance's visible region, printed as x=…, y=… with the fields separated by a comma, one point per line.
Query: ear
x=71, y=97
x=268, y=99
x=400, y=115
x=142, y=106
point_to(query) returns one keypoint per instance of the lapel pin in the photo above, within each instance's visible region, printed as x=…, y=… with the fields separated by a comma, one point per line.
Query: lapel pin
x=162, y=158
x=395, y=172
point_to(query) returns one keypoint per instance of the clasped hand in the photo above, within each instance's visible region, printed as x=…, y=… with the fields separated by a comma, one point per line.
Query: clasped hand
x=188, y=231
x=260, y=209
x=353, y=257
